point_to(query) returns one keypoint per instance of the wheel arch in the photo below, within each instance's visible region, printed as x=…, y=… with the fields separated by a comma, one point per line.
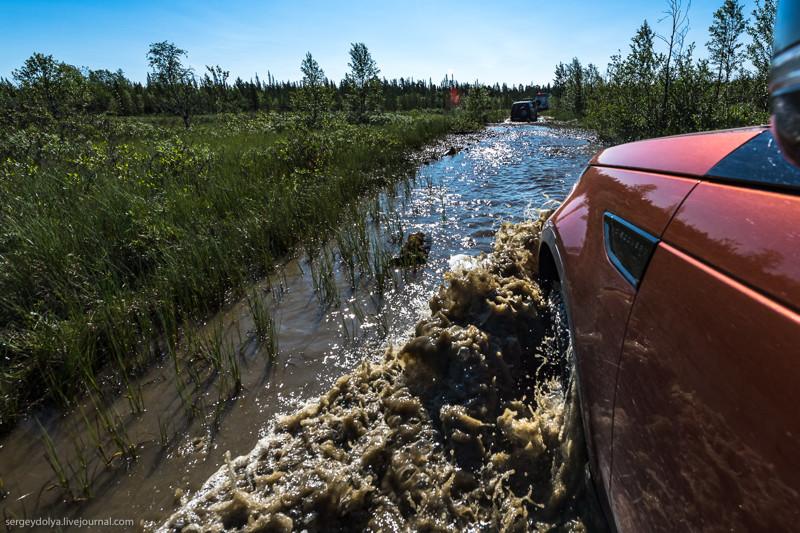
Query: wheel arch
x=551, y=276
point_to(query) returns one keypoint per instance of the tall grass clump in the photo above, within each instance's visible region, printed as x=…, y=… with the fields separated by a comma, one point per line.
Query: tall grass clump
x=114, y=233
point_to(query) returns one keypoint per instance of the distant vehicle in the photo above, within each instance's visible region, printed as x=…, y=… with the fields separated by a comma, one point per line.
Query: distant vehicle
x=541, y=101
x=675, y=263
x=524, y=111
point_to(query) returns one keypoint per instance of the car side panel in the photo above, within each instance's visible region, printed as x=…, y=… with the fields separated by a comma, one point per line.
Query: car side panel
x=706, y=423
x=599, y=297
x=750, y=234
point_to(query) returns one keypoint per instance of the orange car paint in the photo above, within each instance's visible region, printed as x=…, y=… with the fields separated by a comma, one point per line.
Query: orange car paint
x=690, y=155
x=605, y=296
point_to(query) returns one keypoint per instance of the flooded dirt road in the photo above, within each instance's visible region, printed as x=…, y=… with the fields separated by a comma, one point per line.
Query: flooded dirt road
x=398, y=413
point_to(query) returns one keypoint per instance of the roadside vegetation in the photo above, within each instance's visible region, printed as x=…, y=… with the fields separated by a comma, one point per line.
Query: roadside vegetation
x=115, y=231
x=46, y=86
x=661, y=88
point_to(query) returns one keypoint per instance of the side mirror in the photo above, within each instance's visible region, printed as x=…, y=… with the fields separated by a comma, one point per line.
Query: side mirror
x=784, y=85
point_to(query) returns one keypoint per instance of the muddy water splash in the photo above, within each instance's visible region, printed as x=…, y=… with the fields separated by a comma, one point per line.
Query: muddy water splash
x=463, y=428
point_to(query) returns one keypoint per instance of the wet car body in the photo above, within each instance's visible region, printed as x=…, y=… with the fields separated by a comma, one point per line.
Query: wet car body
x=678, y=260
x=524, y=111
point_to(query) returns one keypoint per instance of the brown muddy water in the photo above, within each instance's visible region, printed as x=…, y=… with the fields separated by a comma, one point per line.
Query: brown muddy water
x=352, y=396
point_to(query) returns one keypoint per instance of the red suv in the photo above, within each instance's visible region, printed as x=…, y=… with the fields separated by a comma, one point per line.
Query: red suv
x=678, y=261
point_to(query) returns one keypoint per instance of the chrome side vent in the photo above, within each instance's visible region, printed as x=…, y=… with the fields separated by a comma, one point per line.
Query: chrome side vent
x=628, y=248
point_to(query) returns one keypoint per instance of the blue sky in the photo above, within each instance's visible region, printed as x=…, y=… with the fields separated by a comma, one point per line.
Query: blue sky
x=502, y=41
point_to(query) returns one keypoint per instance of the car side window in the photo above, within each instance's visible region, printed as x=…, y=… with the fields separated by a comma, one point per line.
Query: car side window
x=758, y=161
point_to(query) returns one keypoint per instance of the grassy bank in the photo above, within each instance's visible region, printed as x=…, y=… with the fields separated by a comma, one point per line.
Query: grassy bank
x=115, y=232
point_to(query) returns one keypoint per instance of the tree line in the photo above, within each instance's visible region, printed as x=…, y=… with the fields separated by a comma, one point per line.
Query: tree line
x=650, y=93
x=44, y=88
x=645, y=93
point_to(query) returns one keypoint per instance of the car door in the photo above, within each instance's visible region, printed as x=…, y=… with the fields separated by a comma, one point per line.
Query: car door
x=706, y=432
x=600, y=298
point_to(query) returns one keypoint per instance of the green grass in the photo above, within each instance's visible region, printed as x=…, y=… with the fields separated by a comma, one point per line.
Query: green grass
x=115, y=234
x=564, y=116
